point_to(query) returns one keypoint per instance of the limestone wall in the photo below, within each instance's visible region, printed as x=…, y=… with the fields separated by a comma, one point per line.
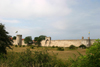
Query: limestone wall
x=23, y=42
x=67, y=43
x=14, y=42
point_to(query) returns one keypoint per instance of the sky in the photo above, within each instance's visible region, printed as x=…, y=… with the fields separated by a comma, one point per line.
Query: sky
x=58, y=19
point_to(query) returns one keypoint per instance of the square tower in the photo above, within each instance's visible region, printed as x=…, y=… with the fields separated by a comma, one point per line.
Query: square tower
x=19, y=39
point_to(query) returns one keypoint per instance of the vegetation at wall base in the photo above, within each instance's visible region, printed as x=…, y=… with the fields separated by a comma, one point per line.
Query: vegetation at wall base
x=60, y=48
x=82, y=46
x=72, y=47
x=16, y=45
x=53, y=46
x=23, y=45
x=56, y=46
x=20, y=45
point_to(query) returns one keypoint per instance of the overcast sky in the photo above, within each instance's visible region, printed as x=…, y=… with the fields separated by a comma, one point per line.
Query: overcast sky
x=59, y=19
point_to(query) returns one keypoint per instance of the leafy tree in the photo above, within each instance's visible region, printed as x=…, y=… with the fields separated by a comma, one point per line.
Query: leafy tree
x=71, y=47
x=14, y=37
x=28, y=40
x=39, y=39
x=42, y=37
x=36, y=38
x=5, y=40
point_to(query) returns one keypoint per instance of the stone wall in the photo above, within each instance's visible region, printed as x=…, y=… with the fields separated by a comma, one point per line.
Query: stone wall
x=67, y=43
x=59, y=43
x=15, y=42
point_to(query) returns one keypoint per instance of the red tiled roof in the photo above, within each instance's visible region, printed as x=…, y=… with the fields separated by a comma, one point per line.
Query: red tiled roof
x=22, y=39
x=11, y=38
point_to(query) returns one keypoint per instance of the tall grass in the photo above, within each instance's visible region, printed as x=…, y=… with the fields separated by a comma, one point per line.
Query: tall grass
x=30, y=59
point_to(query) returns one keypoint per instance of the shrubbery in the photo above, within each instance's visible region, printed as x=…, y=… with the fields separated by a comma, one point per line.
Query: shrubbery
x=82, y=46
x=16, y=45
x=32, y=47
x=23, y=45
x=60, y=48
x=72, y=47
x=20, y=45
x=31, y=59
x=56, y=46
x=53, y=46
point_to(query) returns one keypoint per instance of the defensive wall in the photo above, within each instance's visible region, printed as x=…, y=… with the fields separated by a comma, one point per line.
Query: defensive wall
x=60, y=43
x=67, y=43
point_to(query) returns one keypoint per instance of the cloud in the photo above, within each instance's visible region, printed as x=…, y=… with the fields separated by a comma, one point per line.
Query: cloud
x=59, y=25
x=33, y=8
x=9, y=21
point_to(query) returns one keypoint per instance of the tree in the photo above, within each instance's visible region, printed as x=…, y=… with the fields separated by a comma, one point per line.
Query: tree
x=36, y=38
x=42, y=37
x=14, y=37
x=28, y=40
x=5, y=40
x=39, y=39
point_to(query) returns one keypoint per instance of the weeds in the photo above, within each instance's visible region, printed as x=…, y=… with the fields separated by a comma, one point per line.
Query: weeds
x=60, y=48
x=16, y=45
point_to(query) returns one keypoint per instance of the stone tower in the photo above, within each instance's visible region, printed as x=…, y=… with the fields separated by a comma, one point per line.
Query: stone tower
x=19, y=39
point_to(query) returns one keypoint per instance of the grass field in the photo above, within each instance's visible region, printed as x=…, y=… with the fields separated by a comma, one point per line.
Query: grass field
x=63, y=55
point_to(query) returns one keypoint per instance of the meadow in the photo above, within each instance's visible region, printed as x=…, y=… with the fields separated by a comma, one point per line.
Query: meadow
x=33, y=56
x=63, y=55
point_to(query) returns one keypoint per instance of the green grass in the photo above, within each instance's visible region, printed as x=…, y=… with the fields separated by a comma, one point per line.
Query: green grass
x=61, y=54
x=41, y=56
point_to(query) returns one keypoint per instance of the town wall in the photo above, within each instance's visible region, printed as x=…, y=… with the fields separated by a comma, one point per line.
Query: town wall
x=67, y=43
x=59, y=43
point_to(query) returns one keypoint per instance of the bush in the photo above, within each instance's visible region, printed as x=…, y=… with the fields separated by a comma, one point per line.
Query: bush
x=32, y=47
x=60, y=48
x=23, y=45
x=82, y=46
x=53, y=46
x=56, y=46
x=72, y=47
x=16, y=45
x=20, y=45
